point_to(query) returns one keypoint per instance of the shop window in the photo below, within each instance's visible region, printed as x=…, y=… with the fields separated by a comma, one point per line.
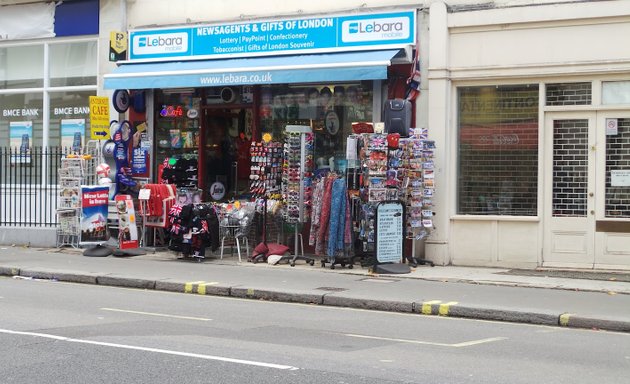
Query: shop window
x=617, y=203
x=498, y=150
x=21, y=66
x=615, y=92
x=329, y=108
x=69, y=119
x=20, y=131
x=568, y=94
x=73, y=63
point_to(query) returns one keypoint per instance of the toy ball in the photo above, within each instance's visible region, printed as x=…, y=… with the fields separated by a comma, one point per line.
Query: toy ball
x=105, y=181
x=102, y=170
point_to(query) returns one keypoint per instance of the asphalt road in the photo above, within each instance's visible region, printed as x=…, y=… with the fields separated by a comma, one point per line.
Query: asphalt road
x=67, y=333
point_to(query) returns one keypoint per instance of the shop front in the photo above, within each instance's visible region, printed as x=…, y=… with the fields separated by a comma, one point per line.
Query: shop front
x=215, y=89
x=244, y=111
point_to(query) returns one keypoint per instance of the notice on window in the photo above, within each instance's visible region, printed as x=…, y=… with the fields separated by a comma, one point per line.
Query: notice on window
x=72, y=132
x=20, y=136
x=620, y=178
x=612, y=127
x=389, y=232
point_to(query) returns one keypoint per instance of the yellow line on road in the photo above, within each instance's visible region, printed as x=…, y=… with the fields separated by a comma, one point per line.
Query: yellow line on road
x=457, y=345
x=188, y=287
x=564, y=319
x=427, y=306
x=201, y=288
x=443, y=310
x=156, y=314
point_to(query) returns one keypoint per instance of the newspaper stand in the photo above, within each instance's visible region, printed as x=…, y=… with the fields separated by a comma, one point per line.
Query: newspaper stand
x=74, y=172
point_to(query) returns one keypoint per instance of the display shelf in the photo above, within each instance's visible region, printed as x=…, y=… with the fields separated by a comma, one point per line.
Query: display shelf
x=75, y=171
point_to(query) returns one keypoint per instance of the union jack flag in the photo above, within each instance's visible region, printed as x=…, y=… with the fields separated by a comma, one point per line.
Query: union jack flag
x=176, y=210
x=174, y=213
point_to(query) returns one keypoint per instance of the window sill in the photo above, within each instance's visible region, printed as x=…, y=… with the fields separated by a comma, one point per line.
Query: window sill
x=494, y=218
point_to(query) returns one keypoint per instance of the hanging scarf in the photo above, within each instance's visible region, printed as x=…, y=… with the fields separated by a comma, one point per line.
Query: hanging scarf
x=322, y=231
x=317, y=200
x=337, y=225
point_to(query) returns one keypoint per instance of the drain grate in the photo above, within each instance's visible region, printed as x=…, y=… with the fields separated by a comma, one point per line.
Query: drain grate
x=605, y=276
x=331, y=289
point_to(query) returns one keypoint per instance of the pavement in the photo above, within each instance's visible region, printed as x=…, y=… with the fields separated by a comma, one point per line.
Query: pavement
x=575, y=299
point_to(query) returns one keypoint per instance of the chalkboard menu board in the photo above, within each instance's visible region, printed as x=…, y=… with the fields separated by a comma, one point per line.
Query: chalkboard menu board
x=390, y=226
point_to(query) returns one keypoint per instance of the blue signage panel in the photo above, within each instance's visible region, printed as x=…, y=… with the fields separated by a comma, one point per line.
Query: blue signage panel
x=304, y=35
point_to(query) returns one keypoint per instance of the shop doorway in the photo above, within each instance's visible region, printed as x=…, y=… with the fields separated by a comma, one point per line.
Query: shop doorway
x=587, y=190
x=225, y=151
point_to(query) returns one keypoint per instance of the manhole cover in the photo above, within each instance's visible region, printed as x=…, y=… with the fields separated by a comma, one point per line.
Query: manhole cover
x=331, y=289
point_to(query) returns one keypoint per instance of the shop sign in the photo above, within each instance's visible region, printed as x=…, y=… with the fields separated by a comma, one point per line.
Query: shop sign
x=172, y=111
x=302, y=35
x=94, y=206
x=71, y=111
x=117, y=45
x=99, y=117
x=389, y=231
x=217, y=191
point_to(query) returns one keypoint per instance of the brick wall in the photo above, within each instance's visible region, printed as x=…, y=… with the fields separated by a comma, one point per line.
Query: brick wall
x=568, y=94
x=618, y=158
x=570, y=165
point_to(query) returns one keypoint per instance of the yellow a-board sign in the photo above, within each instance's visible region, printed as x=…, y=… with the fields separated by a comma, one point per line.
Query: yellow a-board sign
x=99, y=117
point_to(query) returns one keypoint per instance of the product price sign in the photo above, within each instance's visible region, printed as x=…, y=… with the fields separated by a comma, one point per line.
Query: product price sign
x=390, y=227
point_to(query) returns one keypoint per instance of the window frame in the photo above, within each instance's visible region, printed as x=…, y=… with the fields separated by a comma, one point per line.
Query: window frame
x=46, y=89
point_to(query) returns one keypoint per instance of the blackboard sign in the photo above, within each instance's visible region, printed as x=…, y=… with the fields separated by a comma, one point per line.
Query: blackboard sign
x=390, y=227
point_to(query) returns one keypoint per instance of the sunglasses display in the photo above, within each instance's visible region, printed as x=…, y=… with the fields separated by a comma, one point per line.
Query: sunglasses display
x=266, y=168
x=297, y=174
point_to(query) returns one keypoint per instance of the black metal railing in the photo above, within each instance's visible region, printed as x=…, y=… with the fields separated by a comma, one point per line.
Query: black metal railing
x=29, y=185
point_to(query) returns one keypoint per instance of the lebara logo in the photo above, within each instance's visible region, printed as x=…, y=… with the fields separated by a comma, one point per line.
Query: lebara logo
x=160, y=43
x=377, y=30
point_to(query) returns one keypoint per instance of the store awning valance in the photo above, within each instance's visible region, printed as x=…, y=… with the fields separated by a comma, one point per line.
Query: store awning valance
x=347, y=66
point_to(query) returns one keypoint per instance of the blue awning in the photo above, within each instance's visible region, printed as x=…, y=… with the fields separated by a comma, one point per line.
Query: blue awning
x=369, y=65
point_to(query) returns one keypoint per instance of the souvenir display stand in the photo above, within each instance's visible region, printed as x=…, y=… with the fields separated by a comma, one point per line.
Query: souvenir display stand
x=396, y=169
x=418, y=188
x=296, y=181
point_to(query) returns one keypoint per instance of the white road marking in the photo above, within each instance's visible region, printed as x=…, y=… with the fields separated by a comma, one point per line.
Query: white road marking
x=154, y=350
x=457, y=345
x=156, y=314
